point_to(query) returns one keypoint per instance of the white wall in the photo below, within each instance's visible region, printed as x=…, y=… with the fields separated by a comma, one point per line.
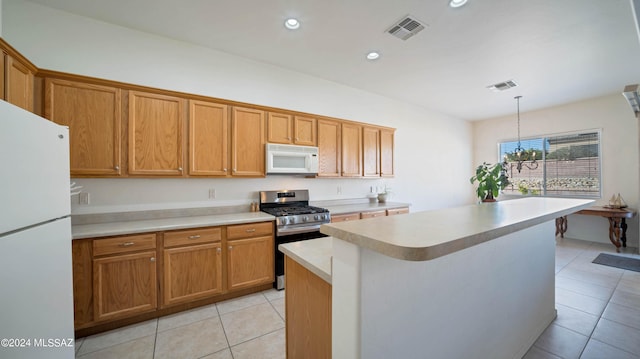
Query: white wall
x=619, y=154
x=61, y=41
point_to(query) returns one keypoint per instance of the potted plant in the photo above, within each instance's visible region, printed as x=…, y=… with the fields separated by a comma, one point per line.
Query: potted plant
x=491, y=180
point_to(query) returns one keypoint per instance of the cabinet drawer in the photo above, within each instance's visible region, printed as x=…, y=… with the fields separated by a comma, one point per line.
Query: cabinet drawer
x=373, y=214
x=124, y=244
x=250, y=230
x=345, y=217
x=393, y=212
x=192, y=236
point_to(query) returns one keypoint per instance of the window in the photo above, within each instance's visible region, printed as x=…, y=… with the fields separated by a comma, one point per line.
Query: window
x=568, y=165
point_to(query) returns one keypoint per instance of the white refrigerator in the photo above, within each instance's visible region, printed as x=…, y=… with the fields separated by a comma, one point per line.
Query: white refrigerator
x=36, y=290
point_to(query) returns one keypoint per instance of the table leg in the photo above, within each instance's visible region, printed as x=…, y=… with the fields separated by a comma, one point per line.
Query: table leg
x=623, y=226
x=561, y=226
x=614, y=232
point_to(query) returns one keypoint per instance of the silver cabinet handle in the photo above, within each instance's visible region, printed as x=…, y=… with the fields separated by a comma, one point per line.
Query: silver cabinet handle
x=219, y=250
x=230, y=247
x=235, y=170
x=180, y=169
x=224, y=169
x=194, y=237
x=117, y=168
x=152, y=259
x=127, y=244
x=251, y=230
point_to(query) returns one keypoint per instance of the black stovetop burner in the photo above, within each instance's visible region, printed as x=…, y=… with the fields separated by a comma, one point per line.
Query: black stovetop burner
x=294, y=210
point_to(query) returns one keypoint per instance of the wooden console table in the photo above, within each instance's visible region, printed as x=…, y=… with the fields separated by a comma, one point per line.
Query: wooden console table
x=617, y=222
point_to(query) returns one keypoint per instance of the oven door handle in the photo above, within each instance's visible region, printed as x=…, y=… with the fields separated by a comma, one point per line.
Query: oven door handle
x=296, y=230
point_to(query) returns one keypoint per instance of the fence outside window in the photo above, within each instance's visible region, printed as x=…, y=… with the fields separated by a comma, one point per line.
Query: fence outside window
x=568, y=165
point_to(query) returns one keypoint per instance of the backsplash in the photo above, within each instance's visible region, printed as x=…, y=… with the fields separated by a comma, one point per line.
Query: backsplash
x=150, y=194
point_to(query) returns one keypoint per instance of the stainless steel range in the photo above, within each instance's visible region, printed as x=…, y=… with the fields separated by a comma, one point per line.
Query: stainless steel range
x=296, y=221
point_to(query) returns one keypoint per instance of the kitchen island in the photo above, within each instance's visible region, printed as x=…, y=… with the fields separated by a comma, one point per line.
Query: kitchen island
x=469, y=282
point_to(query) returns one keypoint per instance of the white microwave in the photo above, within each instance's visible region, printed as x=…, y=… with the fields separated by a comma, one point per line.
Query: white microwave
x=291, y=159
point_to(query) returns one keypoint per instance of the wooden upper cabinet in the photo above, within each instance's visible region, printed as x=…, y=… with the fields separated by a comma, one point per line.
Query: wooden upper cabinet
x=386, y=153
x=156, y=125
x=304, y=131
x=247, y=142
x=279, y=128
x=329, y=135
x=93, y=115
x=287, y=129
x=351, y=150
x=371, y=152
x=208, y=134
x=18, y=83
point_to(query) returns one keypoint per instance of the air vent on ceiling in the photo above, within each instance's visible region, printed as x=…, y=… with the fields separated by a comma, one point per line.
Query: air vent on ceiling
x=502, y=86
x=406, y=27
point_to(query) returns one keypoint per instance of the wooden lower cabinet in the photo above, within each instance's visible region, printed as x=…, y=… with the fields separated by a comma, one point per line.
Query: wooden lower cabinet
x=368, y=214
x=192, y=272
x=124, y=285
x=124, y=279
x=345, y=217
x=308, y=313
x=250, y=262
x=395, y=211
x=373, y=214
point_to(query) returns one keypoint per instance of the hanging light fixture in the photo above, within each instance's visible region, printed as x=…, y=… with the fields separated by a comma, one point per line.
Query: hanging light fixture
x=520, y=155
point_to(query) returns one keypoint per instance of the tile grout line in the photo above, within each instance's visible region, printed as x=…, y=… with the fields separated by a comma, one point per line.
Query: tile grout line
x=224, y=331
x=155, y=338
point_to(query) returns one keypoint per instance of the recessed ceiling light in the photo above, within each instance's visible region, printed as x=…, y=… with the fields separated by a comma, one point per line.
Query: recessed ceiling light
x=457, y=3
x=292, y=24
x=373, y=55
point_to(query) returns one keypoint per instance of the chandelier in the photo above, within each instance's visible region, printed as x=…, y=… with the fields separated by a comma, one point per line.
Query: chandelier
x=520, y=155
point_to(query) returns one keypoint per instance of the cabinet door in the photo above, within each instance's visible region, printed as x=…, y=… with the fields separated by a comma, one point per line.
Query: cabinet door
x=247, y=141
x=279, y=128
x=124, y=285
x=250, y=262
x=93, y=116
x=156, y=124
x=329, y=134
x=351, y=150
x=371, y=152
x=208, y=134
x=18, y=84
x=304, y=131
x=386, y=153
x=192, y=273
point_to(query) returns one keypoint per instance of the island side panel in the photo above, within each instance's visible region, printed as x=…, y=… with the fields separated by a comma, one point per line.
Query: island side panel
x=308, y=313
x=345, y=301
x=491, y=300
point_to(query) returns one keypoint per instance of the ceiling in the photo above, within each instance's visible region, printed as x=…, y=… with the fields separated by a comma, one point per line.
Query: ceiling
x=556, y=51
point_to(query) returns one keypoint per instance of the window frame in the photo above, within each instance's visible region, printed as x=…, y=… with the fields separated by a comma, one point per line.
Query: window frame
x=542, y=162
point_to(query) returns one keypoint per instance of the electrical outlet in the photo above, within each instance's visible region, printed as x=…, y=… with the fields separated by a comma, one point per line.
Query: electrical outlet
x=212, y=193
x=83, y=198
x=339, y=189
x=372, y=190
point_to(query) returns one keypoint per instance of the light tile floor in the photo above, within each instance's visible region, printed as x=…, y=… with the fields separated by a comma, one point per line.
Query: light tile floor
x=598, y=317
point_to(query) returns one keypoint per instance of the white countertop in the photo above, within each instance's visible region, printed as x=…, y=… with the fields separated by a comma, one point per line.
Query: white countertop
x=313, y=254
x=427, y=235
x=165, y=224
